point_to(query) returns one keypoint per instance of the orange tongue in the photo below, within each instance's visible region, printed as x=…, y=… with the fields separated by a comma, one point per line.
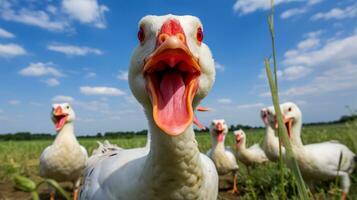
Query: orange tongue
x=172, y=109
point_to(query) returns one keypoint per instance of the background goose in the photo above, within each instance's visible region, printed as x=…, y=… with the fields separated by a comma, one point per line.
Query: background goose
x=249, y=156
x=270, y=143
x=223, y=157
x=65, y=159
x=170, y=72
x=317, y=161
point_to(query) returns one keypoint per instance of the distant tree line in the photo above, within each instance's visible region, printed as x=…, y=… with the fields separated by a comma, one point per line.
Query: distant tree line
x=131, y=134
x=343, y=119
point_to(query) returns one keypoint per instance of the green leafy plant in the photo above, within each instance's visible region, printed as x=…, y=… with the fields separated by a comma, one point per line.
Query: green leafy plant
x=27, y=185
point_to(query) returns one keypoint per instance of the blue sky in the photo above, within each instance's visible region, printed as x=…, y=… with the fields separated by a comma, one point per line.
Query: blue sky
x=78, y=51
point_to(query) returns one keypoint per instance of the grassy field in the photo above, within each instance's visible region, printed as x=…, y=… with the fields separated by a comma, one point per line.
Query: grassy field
x=262, y=183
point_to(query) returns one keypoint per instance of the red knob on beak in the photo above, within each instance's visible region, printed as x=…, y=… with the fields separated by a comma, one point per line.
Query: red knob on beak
x=169, y=29
x=58, y=111
x=219, y=127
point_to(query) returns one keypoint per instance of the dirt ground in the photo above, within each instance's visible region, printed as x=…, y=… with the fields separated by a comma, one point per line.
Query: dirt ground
x=9, y=192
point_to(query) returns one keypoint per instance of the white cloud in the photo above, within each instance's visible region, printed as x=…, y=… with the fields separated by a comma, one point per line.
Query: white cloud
x=6, y=34
x=10, y=50
x=314, y=34
x=86, y=11
x=293, y=12
x=62, y=98
x=224, y=101
x=90, y=75
x=103, y=91
x=335, y=79
x=14, y=102
x=313, y=2
x=52, y=17
x=299, y=11
x=333, y=51
x=40, y=69
x=308, y=43
x=220, y=67
x=37, y=18
x=72, y=50
x=52, y=82
x=123, y=75
x=334, y=63
x=337, y=13
x=295, y=72
x=248, y=106
x=249, y=6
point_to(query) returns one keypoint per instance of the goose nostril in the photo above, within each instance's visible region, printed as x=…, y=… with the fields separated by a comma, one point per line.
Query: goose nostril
x=181, y=37
x=163, y=37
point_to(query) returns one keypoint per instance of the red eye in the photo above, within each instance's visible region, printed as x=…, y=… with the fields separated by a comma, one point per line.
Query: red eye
x=199, y=34
x=141, y=35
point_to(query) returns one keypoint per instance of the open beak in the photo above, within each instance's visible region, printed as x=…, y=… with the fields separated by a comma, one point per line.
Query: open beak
x=238, y=140
x=171, y=74
x=288, y=121
x=59, y=118
x=219, y=131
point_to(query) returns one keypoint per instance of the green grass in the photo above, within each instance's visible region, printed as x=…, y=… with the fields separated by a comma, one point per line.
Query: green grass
x=264, y=181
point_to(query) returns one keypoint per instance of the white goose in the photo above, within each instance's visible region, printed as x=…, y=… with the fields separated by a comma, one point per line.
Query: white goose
x=223, y=157
x=249, y=156
x=65, y=159
x=171, y=71
x=270, y=143
x=317, y=162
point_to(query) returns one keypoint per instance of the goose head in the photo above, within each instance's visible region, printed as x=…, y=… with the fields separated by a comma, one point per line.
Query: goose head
x=240, y=138
x=292, y=118
x=264, y=116
x=218, y=130
x=171, y=70
x=62, y=114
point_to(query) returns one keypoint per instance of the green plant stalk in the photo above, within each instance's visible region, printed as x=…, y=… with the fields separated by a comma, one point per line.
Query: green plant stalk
x=272, y=34
x=338, y=168
x=55, y=185
x=35, y=196
x=290, y=158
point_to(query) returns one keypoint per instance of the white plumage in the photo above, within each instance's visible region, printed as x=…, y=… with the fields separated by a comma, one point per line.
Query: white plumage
x=223, y=157
x=65, y=159
x=317, y=162
x=249, y=156
x=270, y=143
x=171, y=167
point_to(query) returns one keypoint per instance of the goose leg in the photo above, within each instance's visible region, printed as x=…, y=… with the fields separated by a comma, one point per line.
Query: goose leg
x=52, y=195
x=52, y=192
x=235, y=188
x=345, y=184
x=76, y=189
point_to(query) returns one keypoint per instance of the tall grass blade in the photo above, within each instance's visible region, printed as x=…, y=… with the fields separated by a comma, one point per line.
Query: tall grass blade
x=290, y=158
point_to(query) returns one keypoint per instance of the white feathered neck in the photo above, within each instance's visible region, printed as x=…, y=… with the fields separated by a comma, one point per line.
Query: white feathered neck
x=66, y=137
x=173, y=162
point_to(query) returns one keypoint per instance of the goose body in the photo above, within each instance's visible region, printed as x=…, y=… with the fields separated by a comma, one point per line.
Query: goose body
x=320, y=161
x=270, y=143
x=223, y=157
x=171, y=71
x=65, y=159
x=249, y=156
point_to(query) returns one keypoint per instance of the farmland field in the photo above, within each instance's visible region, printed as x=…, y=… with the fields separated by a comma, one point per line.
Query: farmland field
x=262, y=183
